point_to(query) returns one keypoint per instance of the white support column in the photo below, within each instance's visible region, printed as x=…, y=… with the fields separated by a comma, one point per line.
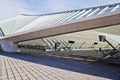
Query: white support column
x=8, y=46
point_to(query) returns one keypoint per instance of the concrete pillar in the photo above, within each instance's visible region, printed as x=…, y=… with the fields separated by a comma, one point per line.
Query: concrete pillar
x=8, y=46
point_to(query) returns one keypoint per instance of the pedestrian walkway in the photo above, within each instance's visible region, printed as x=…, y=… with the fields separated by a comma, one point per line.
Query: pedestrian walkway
x=28, y=67
x=0, y=66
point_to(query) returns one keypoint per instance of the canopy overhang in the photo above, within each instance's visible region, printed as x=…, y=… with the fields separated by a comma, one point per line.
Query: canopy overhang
x=99, y=21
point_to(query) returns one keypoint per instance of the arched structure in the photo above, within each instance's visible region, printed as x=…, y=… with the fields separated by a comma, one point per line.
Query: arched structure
x=103, y=19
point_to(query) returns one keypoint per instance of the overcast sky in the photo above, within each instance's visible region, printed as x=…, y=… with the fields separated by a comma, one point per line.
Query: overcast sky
x=11, y=8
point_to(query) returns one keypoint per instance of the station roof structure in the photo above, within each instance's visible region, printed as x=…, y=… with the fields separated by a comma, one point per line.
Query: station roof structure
x=100, y=19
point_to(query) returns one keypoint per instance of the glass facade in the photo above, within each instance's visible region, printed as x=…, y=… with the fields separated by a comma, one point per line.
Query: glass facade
x=12, y=25
x=23, y=21
x=8, y=26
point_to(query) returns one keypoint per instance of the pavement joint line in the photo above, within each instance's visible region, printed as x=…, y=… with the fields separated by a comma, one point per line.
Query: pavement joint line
x=5, y=66
x=21, y=70
x=11, y=68
x=27, y=70
x=41, y=72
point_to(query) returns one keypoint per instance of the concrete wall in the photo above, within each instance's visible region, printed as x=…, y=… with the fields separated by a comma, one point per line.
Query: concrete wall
x=8, y=46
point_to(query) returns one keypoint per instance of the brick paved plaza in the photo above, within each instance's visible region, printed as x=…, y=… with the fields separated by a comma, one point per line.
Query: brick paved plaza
x=28, y=67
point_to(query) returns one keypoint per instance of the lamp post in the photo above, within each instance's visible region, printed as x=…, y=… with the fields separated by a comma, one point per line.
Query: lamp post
x=70, y=43
x=57, y=44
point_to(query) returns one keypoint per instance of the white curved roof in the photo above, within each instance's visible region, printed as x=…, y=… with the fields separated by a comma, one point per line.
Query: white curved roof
x=28, y=22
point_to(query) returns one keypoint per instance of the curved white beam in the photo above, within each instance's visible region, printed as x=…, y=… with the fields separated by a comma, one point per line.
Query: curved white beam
x=104, y=20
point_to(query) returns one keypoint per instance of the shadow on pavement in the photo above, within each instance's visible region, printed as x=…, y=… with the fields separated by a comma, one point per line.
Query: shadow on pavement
x=95, y=69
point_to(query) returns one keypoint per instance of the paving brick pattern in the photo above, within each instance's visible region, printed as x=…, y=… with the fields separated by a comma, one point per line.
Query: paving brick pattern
x=28, y=67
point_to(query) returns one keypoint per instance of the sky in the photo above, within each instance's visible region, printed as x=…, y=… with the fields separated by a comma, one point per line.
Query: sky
x=12, y=8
